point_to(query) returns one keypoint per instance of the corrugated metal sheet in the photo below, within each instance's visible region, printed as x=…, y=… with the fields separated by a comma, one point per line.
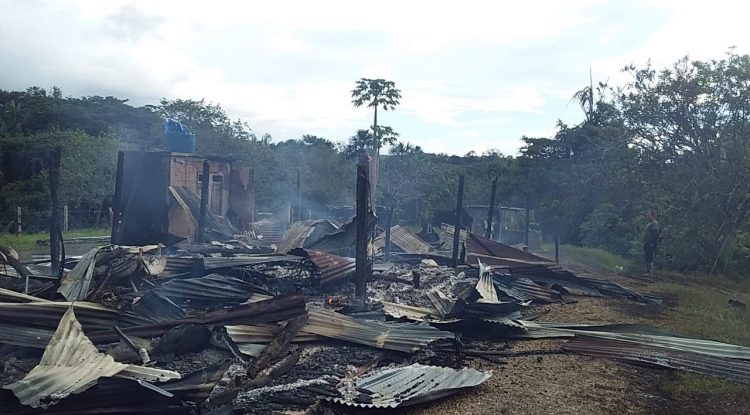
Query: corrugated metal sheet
x=524, y=289
x=217, y=227
x=214, y=263
x=685, y=344
x=343, y=239
x=304, y=233
x=730, y=369
x=414, y=313
x=70, y=364
x=442, y=303
x=270, y=231
x=260, y=312
x=480, y=245
x=75, y=284
x=404, y=337
x=19, y=317
x=213, y=289
x=329, y=267
x=16, y=297
x=410, y=385
x=485, y=285
x=405, y=240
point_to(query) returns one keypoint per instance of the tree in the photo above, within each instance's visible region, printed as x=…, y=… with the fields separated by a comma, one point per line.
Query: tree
x=377, y=93
x=690, y=125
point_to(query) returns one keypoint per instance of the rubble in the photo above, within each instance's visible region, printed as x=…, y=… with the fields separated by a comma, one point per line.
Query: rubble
x=261, y=323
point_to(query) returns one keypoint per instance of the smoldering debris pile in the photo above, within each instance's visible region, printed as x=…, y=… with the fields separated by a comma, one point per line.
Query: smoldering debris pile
x=246, y=327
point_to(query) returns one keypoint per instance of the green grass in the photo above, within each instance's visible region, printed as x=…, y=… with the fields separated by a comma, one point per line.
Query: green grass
x=25, y=242
x=593, y=259
x=702, y=310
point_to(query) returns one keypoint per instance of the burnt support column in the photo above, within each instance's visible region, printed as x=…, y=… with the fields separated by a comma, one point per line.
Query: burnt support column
x=491, y=210
x=457, y=223
x=199, y=233
x=363, y=182
x=299, y=197
x=528, y=223
x=116, y=213
x=388, y=225
x=55, y=241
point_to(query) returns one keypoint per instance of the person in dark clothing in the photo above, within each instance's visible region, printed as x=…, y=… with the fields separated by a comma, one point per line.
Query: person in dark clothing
x=651, y=239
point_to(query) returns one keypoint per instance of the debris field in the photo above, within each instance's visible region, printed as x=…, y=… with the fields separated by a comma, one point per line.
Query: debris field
x=256, y=325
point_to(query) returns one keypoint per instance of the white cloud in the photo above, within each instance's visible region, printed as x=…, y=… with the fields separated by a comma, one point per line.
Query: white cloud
x=477, y=68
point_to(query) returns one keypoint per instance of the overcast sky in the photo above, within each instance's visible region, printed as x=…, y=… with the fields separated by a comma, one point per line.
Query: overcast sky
x=474, y=75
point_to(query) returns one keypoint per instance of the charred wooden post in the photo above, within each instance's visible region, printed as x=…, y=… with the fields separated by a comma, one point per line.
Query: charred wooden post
x=457, y=223
x=53, y=169
x=116, y=215
x=388, y=224
x=299, y=197
x=528, y=223
x=363, y=180
x=491, y=210
x=199, y=233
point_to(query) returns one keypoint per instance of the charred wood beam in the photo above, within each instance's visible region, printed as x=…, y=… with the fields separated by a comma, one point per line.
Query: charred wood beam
x=279, y=346
x=363, y=179
x=283, y=366
x=53, y=168
x=204, y=202
x=457, y=224
x=491, y=210
x=388, y=224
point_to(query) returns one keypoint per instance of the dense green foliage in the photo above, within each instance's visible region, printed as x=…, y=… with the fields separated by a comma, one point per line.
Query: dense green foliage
x=674, y=141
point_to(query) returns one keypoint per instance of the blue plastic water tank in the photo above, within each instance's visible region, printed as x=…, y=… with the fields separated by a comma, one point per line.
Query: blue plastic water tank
x=178, y=138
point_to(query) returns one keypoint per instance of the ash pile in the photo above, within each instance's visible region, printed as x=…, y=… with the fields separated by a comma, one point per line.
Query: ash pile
x=272, y=325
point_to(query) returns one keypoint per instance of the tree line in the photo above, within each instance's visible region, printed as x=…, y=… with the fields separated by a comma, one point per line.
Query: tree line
x=671, y=140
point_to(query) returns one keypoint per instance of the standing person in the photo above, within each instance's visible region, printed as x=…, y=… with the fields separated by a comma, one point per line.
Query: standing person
x=651, y=238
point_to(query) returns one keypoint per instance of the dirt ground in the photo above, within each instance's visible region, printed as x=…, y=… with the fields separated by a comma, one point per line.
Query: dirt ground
x=573, y=384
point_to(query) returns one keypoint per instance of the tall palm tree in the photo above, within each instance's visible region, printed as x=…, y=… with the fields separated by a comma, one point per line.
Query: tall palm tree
x=376, y=93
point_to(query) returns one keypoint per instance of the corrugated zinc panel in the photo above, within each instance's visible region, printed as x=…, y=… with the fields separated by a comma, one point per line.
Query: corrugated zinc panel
x=411, y=385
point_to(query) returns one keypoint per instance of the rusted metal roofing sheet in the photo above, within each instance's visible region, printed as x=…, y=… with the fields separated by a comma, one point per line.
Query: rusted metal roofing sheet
x=480, y=245
x=405, y=240
x=409, y=385
x=70, y=364
x=330, y=267
x=304, y=233
x=731, y=369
